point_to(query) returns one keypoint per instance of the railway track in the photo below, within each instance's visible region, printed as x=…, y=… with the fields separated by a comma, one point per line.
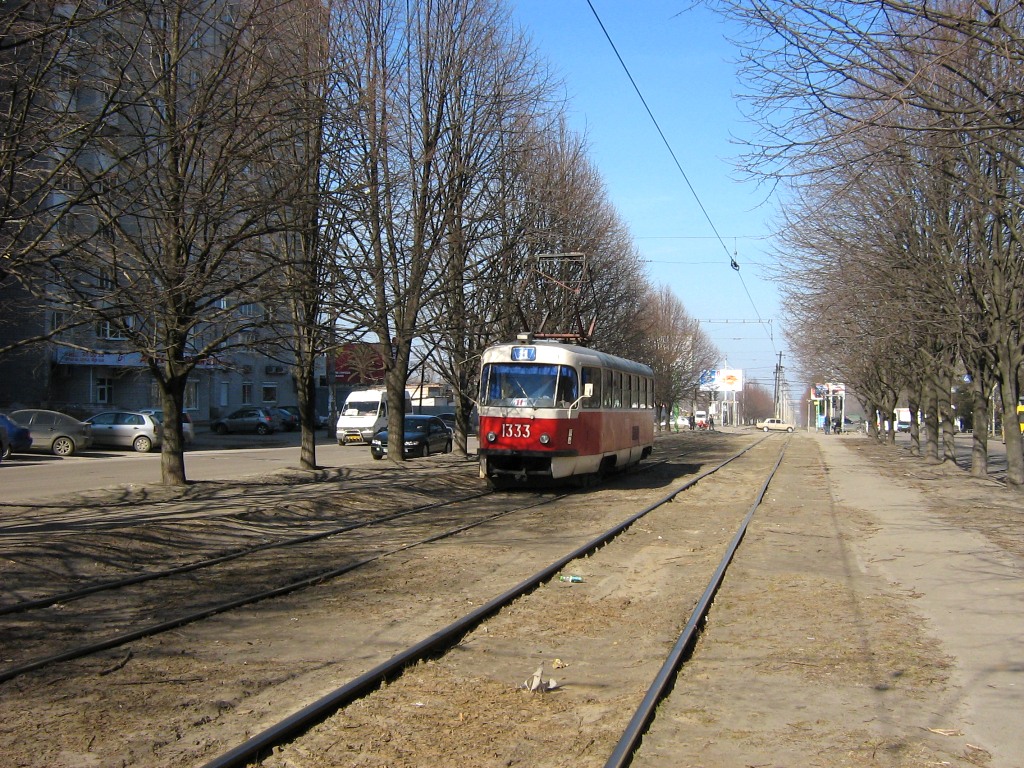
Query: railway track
x=445, y=640
x=452, y=525
x=165, y=605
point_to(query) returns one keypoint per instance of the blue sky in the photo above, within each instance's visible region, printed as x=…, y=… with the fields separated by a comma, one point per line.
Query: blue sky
x=685, y=69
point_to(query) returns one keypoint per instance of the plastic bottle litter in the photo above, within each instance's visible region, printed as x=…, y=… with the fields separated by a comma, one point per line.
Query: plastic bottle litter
x=573, y=579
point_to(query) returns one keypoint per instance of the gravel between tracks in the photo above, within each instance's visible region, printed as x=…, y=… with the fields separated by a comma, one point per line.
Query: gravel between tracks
x=832, y=643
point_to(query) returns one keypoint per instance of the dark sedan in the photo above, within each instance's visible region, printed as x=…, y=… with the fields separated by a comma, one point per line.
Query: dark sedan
x=19, y=439
x=262, y=421
x=53, y=431
x=423, y=436
x=289, y=418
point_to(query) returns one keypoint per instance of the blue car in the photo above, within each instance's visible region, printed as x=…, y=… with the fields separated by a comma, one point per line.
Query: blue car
x=19, y=439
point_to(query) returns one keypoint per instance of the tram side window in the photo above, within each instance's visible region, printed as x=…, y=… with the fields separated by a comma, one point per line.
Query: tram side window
x=606, y=399
x=567, y=391
x=592, y=376
x=616, y=389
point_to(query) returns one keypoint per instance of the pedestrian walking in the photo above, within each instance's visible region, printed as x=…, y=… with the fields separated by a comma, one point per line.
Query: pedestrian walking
x=711, y=423
x=824, y=425
x=692, y=420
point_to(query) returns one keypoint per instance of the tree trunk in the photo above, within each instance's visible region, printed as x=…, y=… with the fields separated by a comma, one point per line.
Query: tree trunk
x=914, y=406
x=307, y=418
x=1008, y=392
x=172, y=455
x=945, y=410
x=394, y=378
x=979, y=440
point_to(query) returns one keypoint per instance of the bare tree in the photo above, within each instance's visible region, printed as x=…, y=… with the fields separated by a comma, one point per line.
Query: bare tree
x=42, y=127
x=404, y=73
x=306, y=246
x=676, y=348
x=939, y=85
x=497, y=102
x=166, y=222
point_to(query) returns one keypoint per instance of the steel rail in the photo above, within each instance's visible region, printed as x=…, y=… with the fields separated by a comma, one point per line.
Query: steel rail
x=77, y=594
x=81, y=592
x=154, y=629
x=623, y=753
x=309, y=581
x=294, y=725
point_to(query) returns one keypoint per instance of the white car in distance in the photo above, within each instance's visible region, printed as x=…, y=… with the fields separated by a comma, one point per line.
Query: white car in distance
x=774, y=425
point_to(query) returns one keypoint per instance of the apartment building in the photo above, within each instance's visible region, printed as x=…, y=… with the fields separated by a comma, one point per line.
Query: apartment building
x=112, y=199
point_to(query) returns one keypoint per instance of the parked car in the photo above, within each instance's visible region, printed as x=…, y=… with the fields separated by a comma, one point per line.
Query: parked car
x=423, y=436
x=289, y=418
x=126, y=429
x=774, y=425
x=449, y=420
x=5, y=446
x=188, y=430
x=248, y=419
x=319, y=420
x=54, y=431
x=19, y=439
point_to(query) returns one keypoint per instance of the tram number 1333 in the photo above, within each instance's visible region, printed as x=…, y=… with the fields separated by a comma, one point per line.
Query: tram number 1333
x=515, y=430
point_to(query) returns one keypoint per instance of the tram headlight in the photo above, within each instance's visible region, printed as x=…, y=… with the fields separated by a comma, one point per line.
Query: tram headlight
x=545, y=439
x=491, y=437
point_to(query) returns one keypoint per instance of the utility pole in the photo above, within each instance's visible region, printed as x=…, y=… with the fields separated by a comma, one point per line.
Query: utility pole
x=778, y=385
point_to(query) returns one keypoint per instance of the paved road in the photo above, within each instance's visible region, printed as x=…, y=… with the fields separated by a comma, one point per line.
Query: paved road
x=38, y=476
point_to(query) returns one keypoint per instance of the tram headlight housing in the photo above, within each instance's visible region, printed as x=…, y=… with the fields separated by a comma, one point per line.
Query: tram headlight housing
x=491, y=437
x=545, y=439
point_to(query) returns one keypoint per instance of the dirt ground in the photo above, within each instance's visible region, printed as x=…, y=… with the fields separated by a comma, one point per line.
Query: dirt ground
x=812, y=656
x=841, y=637
x=833, y=641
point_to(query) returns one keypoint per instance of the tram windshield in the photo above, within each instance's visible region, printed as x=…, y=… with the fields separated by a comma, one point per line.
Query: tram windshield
x=532, y=385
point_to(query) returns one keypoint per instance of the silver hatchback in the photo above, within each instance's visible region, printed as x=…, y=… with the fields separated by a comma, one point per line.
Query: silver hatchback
x=188, y=431
x=126, y=429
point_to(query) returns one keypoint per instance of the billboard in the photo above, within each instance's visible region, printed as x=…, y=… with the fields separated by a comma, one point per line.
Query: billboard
x=821, y=391
x=730, y=380
x=359, y=363
x=721, y=380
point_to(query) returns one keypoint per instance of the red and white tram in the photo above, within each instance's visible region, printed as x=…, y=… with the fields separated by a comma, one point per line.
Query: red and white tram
x=550, y=411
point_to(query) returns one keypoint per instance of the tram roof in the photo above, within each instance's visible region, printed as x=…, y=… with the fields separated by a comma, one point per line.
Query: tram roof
x=554, y=351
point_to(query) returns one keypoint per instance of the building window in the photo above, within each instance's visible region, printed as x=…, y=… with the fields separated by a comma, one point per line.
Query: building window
x=223, y=402
x=58, y=320
x=104, y=390
x=247, y=394
x=270, y=393
x=191, y=396
x=107, y=329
